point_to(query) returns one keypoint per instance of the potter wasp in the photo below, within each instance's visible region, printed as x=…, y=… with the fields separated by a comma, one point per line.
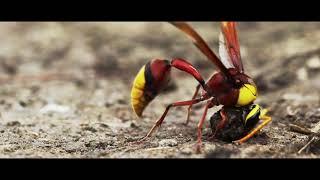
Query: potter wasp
x=230, y=86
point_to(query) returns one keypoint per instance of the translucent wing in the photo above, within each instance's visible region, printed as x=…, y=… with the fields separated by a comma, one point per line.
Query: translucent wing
x=200, y=44
x=223, y=52
x=231, y=44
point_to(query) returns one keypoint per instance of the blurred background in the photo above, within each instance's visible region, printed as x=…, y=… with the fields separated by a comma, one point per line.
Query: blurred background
x=65, y=87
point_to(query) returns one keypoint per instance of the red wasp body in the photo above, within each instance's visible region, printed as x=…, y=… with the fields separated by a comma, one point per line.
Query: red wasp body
x=229, y=87
x=220, y=87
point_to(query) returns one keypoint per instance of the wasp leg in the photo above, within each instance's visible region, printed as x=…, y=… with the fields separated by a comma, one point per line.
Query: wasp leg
x=222, y=123
x=187, y=67
x=266, y=120
x=193, y=97
x=200, y=125
x=182, y=103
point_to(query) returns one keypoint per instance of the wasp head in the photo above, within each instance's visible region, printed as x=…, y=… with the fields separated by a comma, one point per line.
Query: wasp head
x=247, y=89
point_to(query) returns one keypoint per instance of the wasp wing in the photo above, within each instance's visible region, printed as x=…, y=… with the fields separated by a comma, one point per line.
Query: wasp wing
x=200, y=44
x=223, y=52
x=230, y=45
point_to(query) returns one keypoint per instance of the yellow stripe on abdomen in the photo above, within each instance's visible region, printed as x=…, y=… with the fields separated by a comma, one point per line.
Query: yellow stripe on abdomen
x=138, y=102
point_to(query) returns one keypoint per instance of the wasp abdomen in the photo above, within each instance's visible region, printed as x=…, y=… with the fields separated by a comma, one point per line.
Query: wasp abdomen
x=150, y=80
x=138, y=101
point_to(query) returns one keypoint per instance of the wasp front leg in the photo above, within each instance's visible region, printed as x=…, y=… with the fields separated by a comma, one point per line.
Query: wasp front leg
x=221, y=124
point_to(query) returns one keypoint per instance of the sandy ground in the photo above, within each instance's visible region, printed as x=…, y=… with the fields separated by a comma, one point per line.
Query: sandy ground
x=66, y=89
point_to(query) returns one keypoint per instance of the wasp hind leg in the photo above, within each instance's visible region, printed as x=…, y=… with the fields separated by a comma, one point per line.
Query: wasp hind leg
x=266, y=119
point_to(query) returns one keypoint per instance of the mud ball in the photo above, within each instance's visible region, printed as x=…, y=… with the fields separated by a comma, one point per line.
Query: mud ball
x=235, y=128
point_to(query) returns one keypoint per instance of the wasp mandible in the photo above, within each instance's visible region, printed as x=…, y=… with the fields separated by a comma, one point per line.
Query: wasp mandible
x=230, y=86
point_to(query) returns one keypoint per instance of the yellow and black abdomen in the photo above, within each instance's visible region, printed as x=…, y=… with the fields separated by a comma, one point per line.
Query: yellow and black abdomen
x=241, y=121
x=149, y=81
x=139, y=98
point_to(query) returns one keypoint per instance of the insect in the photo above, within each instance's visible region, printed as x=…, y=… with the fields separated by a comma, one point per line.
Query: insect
x=241, y=121
x=230, y=86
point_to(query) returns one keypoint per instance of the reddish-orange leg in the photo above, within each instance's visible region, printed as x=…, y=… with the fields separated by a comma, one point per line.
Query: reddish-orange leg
x=222, y=123
x=193, y=97
x=182, y=103
x=200, y=125
x=265, y=119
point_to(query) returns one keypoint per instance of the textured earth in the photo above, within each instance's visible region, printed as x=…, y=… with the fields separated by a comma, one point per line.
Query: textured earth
x=65, y=89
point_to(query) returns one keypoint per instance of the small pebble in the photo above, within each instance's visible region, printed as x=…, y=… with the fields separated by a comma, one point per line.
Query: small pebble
x=168, y=142
x=314, y=62
x=302, y=74
x=33, y=134
x=13, y=123
x=55, y=108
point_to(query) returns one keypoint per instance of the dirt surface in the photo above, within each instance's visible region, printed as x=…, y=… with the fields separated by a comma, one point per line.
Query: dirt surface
x=66, y=89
